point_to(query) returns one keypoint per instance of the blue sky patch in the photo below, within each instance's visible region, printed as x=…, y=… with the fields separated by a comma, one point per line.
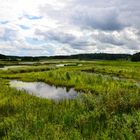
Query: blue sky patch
x=9, y=35
x=24, y=27
x=32, y=17
x=34, y=41
x=4, y=22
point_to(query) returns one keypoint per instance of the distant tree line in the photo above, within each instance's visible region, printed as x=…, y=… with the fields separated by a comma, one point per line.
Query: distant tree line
x=136, y=57
x=95, y=56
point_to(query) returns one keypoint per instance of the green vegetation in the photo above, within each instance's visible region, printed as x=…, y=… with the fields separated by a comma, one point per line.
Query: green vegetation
x=90, y=56
x=136, y=57
x=109, y=109
x=95, y=56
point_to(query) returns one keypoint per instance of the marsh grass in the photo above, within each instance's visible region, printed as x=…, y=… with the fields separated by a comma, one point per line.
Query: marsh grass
x=109, y=109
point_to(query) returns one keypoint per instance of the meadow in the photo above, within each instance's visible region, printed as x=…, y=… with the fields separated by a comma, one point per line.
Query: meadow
x=108, y=109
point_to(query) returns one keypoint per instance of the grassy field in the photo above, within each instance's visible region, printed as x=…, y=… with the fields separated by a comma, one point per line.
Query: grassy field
x=109, y=109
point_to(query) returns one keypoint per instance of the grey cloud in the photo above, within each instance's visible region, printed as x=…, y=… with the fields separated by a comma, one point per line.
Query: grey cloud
x=109, y=39
x=55, y=36
x=104, y=15
x=9, y=35
x=74, y=27
x=119, y=13
x=66, y=38
x=132, y=45
x=82, y=44
x=120, y=40
x=102, y=18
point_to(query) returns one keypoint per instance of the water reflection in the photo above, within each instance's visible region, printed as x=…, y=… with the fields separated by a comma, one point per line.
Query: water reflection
x=61, y=65
x=11, y=67
x=43, y=90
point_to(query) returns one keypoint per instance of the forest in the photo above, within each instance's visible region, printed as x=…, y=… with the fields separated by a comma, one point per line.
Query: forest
x=95, y=56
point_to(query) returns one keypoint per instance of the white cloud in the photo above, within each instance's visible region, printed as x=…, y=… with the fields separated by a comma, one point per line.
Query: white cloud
x=69, y=27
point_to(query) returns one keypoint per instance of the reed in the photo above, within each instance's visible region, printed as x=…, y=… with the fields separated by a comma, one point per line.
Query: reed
x=109, y=109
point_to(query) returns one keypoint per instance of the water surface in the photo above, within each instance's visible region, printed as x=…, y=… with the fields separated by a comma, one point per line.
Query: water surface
x=60, y=65
x=72, y=64
x=28, y=63
x=44, y=90
x=11, y=67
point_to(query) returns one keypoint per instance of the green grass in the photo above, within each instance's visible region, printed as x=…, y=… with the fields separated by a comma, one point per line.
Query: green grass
x=109, y=109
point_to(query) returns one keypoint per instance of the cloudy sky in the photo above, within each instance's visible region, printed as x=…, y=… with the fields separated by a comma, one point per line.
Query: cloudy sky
x=61, y=27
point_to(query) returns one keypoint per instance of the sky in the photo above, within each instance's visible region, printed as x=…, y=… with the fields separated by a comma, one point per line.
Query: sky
x=65, y=27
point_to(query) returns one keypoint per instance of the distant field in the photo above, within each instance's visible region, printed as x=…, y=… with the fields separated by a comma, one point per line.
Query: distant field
x=108, y=109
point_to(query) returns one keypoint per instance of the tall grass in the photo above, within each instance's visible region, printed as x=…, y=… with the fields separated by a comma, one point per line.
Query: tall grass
x=109, y=109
